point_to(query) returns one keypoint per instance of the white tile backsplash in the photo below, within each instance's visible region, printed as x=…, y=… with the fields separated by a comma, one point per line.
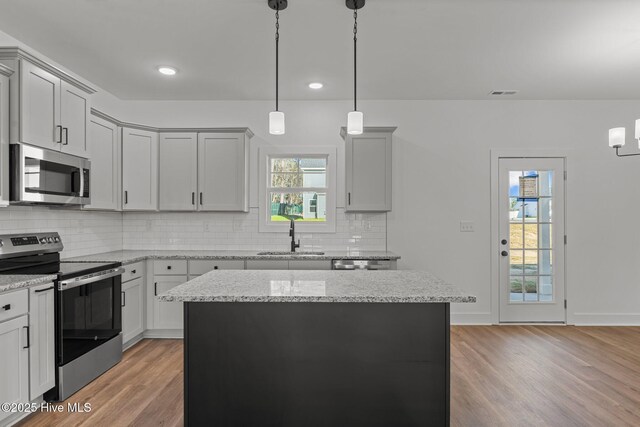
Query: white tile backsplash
x=82, y=232
x=89, y=232
x=239, y=231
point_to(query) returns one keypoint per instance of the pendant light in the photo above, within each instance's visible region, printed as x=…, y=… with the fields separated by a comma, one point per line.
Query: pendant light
x=276, y=118
x=355, y=119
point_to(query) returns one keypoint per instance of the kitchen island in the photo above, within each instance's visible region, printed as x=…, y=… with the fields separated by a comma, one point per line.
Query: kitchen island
x=320, y=348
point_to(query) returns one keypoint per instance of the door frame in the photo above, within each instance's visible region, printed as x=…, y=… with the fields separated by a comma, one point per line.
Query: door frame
x=518, y=153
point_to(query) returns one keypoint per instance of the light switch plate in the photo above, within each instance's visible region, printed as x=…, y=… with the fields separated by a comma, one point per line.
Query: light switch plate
x=467, y=227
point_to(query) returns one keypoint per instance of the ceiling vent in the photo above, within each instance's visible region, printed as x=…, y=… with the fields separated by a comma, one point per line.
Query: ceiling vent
x=503, y=92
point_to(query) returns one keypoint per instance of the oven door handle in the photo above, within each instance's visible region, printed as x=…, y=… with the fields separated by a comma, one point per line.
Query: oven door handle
x=74, y=283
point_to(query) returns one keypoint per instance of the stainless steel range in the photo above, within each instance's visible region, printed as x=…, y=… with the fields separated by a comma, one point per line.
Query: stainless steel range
x=88, y=313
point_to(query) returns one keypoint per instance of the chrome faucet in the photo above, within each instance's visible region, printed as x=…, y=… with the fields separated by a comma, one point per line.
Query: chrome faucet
x=292, y=233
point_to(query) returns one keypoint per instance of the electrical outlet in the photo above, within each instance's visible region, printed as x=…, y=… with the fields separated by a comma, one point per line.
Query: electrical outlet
x=467, y=227
x=206, y=227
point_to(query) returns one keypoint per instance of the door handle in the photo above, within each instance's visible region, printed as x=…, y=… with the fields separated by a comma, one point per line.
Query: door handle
x=155, y=289
x=66, y=136
x=126, y=197
x=6, y=307
x=503, y=241
x=193, y=198
x=43, y=290
x=504, y=253
x=124, y=298
x=349, y=196
x=59, y=132
x=200, y=198
x=28, y=337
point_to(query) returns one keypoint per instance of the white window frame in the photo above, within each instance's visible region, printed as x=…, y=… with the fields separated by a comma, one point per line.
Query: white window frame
x=265, y=154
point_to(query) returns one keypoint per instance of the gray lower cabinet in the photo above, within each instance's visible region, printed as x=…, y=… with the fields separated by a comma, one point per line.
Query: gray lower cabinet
x=132, y=309
x=14, y=349
x=304, y=264
x=167, y=315
x=42, y=352
x=268, y=264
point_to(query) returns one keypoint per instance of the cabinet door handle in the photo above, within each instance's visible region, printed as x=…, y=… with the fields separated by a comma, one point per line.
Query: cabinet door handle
x=168, y=267
x=28, y=337
x=37, y=291
x=200, y=198
x=66, y=136
x=6, y=307
x=193, y=198
x=126, y=197
x=59, y=132
x=155, y=289
x=124, y=298
x=349, y=196
x=215, y=267
x=133, y=272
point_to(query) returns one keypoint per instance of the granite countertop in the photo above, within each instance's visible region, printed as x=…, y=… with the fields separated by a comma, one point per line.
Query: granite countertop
x=392, y=286
x=11, y=282
x=127, y=257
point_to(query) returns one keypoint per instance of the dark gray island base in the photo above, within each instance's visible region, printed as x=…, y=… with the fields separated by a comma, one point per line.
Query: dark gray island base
x=310, y=364
x=316, y=348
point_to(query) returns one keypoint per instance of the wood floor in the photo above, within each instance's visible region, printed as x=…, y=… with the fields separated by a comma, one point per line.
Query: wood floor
x=500, y=376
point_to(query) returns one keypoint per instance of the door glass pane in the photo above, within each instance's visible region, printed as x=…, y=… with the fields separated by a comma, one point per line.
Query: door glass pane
x=545, y=262
x=546, y=288
x=544, y=234
x=530, y=262
x=516, y=266
x=516, y=289
x=546, y=182
x=545, y=209
x=531, y=236
x=531, y=288
x=515, y=238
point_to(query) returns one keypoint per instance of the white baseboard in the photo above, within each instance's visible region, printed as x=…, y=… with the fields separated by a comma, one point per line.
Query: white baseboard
x=133, y=341
x=605, y=319
x=471, y=318
x=164, y=333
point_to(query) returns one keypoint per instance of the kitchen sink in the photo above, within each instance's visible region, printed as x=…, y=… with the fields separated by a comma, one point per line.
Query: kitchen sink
x=290, y=253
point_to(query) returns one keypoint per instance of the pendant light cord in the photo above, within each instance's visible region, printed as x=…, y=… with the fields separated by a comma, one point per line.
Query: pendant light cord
x=355, y=69
x=277, y=53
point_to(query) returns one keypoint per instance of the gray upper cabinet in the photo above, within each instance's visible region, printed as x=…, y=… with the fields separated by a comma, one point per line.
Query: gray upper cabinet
x=139, y=170
x=49, y=108
x=223, y=162
x=5, y=72
x=178, y=181
x=368, y=170
x=39, y=102
x=104, y=151
x=74, y=119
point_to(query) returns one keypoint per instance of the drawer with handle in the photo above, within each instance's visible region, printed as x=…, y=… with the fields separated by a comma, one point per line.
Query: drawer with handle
x=170, y=267
x=198, y=267
x=13, y=304
x=132, y=271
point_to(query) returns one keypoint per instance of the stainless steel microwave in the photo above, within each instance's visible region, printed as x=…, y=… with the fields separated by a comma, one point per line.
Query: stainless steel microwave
x=41, y=176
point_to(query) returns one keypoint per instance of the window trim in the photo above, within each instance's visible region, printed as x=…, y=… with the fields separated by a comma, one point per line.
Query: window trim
x=264, y=206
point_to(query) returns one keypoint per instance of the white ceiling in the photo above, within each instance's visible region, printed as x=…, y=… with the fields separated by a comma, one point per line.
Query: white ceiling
x=408, y=49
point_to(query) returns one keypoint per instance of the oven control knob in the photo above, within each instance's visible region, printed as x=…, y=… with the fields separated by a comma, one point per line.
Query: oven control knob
x=56, y=239
x=50, y=239
x=1, y=244
x=43, y=240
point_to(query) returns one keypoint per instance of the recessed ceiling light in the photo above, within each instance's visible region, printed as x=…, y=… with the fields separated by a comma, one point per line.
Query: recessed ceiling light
x=167, y=71
x=316, y=85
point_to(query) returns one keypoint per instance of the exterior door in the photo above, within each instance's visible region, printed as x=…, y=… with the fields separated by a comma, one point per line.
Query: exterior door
x=532, y=240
